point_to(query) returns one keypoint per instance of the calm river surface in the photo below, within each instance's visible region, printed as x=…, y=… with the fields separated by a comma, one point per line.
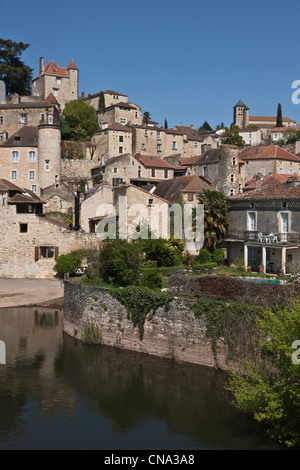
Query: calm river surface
x=58, y=394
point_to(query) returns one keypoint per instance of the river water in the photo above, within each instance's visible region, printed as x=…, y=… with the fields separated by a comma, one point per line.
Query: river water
x=56, y=393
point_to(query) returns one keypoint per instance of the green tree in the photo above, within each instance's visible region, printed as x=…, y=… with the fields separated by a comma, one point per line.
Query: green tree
x=232, y=137
x=216, y=221
x=80, y=120
x=270, y=390
x=165, y=252
x=120, y=262
x=205, y=127
x=101, y=100
x=16, y=75
x=279, y=116
x=166, y=124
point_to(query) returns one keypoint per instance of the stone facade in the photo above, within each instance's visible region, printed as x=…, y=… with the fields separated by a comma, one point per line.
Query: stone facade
x=31, y=242
x=113, y=141
x=122, y=113
x=110, y=98
x=61, y=82
x=106, y=200
x=222, y=169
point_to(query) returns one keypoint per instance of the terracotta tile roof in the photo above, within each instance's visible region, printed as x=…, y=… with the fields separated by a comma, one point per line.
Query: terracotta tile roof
x=152, y=161
x=267, y=152
x=53, y=69
x=269, y=188
x=190, y=132
x=111, y=92
x=72, y=65
x=283, y=129
x=27, y=104
x=268, y=118
x=256, y=181
x=51, y=98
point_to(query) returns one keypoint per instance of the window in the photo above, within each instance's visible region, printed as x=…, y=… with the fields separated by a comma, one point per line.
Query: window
x=47, y=165
x=150, y=202
x=159, y=147
x=252, y=221
x=143, y=147
x=190, y=197
x=15, y=156
x=158, y=135
x=120, y=149
x=55, y=91
x=136, y=114
x=123, y=121
x=50, y=119
x=166, y=173
x=46, y=252
x=58, y=81
x=121, y=138
x=195, y=145
x=115, y=170
x=234, y=161
x=281, y=171
x=290, y=171
x=251, y=253
x=13, y=175
x=33, y=188
x=153, y=172
x=23, y=228
x=1, y=120
x=231, y=192
x=232, y=178
x=23, y=118
x=42, y=117
x=174, y=145
x=31, y=175
x=146, y=133
x=32, y=156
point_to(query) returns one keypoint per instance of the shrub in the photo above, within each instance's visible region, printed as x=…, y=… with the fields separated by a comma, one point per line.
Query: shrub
x=68, y=263
x=218, y=256
x=152, y=279
x=204, y=256
x=200, y=268
x=164, y=252
x=120, y=262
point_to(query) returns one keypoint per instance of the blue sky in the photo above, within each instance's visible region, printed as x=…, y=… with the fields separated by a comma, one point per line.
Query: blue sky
x=187, y=61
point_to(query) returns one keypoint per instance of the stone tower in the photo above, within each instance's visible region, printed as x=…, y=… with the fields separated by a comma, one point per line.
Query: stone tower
x=241, y=115
x=49, y=150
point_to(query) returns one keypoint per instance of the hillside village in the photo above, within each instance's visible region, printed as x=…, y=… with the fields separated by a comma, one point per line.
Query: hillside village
x=42, y=176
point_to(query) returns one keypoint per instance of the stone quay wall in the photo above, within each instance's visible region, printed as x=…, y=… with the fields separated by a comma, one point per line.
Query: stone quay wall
x=174, y=334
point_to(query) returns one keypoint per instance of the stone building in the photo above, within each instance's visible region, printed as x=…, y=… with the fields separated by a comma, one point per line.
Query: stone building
x=156, y=168
x=31, y=158
x=125, y=205
x=122, y=113
x=251, y=136
x=62, y=82
x=222, y=168
x=187, y=186
x=17, y=114
x=112, y=141
x=265, y=225
x=110, y=98
x=31, y=241
x=269, y=159
x=122, y=169
x=58, y=197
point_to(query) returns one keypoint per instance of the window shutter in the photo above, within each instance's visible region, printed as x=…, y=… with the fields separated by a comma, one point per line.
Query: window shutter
x=56, y=252
x=36, y=253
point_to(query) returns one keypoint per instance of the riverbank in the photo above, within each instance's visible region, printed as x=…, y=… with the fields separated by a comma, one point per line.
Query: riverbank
x=30, y=292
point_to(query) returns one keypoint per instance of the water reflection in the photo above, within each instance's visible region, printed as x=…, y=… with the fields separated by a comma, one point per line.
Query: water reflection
x=58, y=393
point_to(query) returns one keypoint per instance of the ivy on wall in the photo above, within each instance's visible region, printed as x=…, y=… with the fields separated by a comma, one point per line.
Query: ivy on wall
x=141, y=301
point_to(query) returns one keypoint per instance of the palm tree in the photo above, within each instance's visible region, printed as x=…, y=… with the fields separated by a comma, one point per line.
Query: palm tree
x=216, y=222
x=146, y=117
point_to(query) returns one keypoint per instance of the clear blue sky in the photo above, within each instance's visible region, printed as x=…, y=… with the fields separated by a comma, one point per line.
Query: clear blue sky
x=187, y=61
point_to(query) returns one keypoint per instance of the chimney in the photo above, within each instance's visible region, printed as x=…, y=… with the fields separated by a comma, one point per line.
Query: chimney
x=42, y=65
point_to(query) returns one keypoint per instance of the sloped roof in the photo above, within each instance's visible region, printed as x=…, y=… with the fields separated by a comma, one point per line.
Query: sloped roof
x=72, y=65
x=269, y=118
x=25, y=137
x=152, y=161
x=269, y=188
x=170, y=189
x=256, y=181
x=267, y=152
x=53, y=69
x=241, y=105
x=6, y=185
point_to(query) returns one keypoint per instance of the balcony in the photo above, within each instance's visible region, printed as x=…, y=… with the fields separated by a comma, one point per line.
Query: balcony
x=272, y=238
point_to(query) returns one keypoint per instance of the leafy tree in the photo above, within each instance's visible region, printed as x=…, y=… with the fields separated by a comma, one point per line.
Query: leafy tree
x=270, y=390
x=101, y=100
x=16, y=75
x=232, y=137
x=216, y=221
x=279, y=116
x=205, y=127
x=68, y=263
x=80, y=120
x=164, y=252
x=120, y=262
x=97, y=179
